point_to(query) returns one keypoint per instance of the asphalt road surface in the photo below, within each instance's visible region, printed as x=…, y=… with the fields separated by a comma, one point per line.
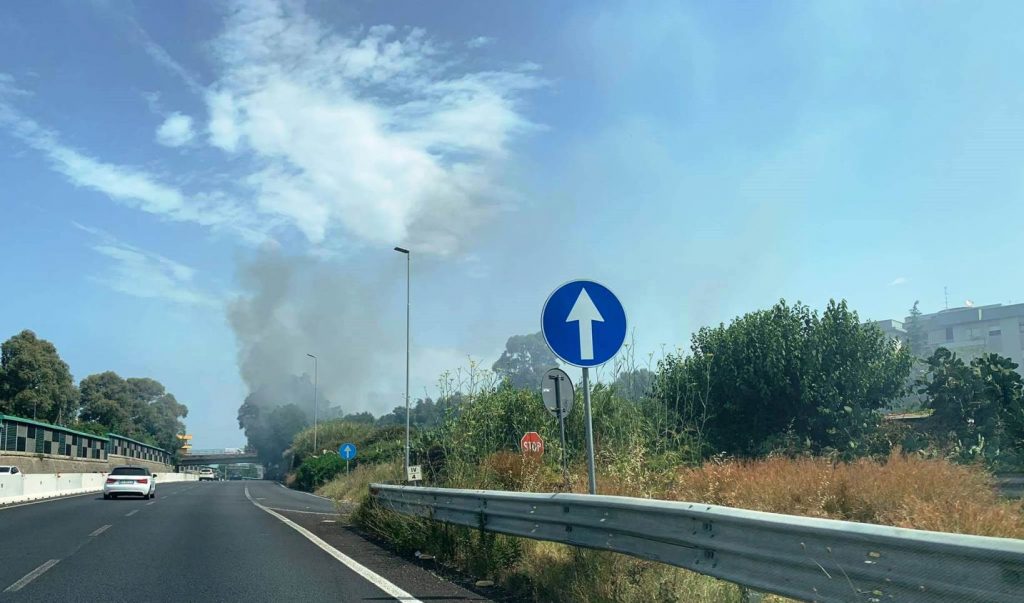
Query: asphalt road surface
x=201, y=541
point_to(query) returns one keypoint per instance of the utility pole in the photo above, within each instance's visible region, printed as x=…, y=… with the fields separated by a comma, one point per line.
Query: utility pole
x=408, y=306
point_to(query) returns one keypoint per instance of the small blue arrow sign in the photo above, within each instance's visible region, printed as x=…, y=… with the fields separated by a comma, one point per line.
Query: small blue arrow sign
x=584, y=323
x=347, y=451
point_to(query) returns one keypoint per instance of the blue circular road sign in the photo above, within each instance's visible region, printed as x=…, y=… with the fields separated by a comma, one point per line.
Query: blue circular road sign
x=347, y=451
x=583, y=323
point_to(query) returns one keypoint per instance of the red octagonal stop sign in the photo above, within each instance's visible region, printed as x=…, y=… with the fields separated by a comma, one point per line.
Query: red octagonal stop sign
x=532, y=444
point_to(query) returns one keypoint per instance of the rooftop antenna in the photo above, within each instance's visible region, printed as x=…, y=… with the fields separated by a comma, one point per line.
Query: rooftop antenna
x=945, y=293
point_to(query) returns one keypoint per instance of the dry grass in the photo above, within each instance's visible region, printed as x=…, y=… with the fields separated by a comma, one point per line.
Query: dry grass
x=902, y=490
x=354, y=487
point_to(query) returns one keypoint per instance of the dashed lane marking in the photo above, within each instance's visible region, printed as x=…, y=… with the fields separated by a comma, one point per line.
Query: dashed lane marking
x=29, y=577
x=100, y=530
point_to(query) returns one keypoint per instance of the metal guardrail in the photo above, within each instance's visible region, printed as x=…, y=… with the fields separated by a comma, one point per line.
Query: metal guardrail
x=804, y=558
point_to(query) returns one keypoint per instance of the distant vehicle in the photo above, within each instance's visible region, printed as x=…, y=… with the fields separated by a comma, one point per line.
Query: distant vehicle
x=235, y=478
x=130, y=479
x=207, y=474
x=10, y=470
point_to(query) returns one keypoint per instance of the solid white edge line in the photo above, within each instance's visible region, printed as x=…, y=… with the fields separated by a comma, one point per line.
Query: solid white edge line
x=306, y=512
x=306, y=493
x=368, y=574
x=100, y=530
x=29, y=577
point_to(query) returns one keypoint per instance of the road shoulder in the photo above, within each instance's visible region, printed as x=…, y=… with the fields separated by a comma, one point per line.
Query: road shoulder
x=423, y=579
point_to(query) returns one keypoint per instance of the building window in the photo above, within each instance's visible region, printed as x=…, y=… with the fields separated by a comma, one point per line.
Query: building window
x=949, y=333
x=995, y=332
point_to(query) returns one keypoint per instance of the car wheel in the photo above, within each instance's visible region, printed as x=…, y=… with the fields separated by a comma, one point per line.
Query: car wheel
x=106, y=497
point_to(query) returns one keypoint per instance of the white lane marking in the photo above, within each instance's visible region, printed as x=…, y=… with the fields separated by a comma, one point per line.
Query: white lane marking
x=368, y=574
x=39, y=571
x=301, y=492
x=100, y=530
x=132, y=512
x=297, y=511
x=152, y=502
x=46, y=500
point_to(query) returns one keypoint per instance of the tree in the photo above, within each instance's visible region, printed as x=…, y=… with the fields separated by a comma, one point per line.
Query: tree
x=634, y=385
x=163, y=420
x=34, y=381
x=271, y=416
x=139, y=408
x=360, y=417
x=979, y=406
x=524, y=361
x=785, y=372
x=917, y=337
x=271, y=430
x=107, y=399
x=424, y=413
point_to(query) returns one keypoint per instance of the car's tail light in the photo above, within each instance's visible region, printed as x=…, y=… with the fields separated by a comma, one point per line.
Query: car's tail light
x=143, y=481
x=111, y=481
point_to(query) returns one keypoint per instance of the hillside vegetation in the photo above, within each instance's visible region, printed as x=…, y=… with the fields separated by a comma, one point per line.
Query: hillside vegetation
x=822, y=452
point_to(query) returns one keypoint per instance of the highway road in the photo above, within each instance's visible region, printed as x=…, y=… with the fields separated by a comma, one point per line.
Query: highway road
x=201, y=541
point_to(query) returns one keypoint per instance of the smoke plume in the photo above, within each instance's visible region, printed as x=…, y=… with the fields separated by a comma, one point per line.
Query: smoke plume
x=293, y=306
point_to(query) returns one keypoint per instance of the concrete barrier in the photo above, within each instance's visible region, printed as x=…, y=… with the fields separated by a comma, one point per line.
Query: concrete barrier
x=168, y=478
x=37, y=486
x=11, y=485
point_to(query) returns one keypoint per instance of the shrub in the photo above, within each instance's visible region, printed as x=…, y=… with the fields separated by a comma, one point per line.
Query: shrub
x=318, y=470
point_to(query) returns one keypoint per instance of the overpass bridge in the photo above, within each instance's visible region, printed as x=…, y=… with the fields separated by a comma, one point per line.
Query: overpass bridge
x=217, y=457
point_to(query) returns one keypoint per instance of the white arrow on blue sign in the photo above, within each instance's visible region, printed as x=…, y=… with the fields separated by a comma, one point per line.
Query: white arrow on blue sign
x=347, y=451
x=583, y=323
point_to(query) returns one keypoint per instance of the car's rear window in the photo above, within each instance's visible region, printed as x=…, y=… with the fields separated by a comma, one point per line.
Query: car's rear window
x=130, y=471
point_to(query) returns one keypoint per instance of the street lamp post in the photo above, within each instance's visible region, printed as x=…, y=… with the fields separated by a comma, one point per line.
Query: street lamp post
x=315, y=379
x=408, y=280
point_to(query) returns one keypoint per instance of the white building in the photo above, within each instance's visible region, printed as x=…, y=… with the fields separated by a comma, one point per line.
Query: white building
x=969, y=331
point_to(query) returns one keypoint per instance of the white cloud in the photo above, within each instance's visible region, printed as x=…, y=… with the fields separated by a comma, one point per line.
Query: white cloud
x=479, y=42
x=8, y=86
x=175, y=131
x=375, y=135
x=223, y=126
x=145, y=274
x=130, y=186
x=899, y=280
x=380, y=136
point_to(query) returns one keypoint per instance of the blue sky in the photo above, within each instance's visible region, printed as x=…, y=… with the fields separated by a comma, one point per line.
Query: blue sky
x=203, y=193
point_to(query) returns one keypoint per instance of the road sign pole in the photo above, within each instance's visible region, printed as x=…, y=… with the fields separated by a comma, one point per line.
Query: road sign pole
x=561, y=425
x=567, y=323
x=346, y=467
x=588, y=422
